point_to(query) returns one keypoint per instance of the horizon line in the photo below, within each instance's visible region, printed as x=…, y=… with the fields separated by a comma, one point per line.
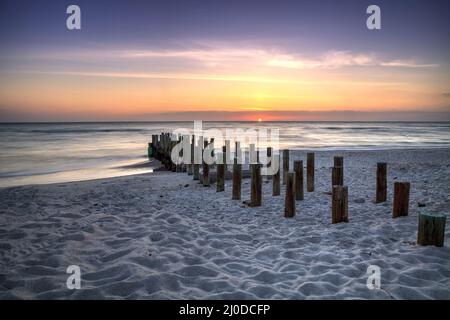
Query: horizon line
x=243, y=121
x=442, y=115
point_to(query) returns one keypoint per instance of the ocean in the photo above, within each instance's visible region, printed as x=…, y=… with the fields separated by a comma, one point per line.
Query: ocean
x=39, y=153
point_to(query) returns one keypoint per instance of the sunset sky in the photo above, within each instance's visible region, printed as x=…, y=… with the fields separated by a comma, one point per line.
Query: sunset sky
x=224, y=60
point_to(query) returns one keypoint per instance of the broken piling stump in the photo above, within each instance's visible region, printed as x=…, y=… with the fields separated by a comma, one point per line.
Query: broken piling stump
x=289, y=199
x=337, y=176
x=339, y=205
x=298, y=182
x=401, y=199
x=285, y=164
x=276, y=176
x=381, y=194
x=431, y=229
x=220, y=186
x=237, y=180
x=206, y=182
x=310, y=171
x=256, y=185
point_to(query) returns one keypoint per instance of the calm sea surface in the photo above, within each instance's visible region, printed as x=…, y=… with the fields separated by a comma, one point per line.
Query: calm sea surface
x=35, y=153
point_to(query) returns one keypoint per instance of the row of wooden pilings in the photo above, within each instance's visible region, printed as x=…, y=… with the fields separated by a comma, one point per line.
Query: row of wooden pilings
x=431, y=229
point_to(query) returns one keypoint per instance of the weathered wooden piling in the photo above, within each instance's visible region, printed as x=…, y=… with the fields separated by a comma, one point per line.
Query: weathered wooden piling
x=237, y=180
x=339, y=205
x=190, y=165
x=269, y=160
x=298, y=181
x=276, y=176
x=285, y=165
x=157, y=140
x=431, y=231
x=224, y=155
x=238, y=153
x=160, y=151
x=168, y=152
x=220, y=183
x=337, y=172
x=381, y=194
x=152, y=147
x=256, y=185
x=338, y=161
x=164, y=151
x=198, y=158
x=310, y=171
x=289, y=199
x=179, y=166
x=401, y=199
x=337, y=176
x=150, y=150
x=161, y=148
x=196, y=172
x=211, y=142
x=206, y=182
x=173, y=165
x=155, y=144
x=187, y=150
x=227, y=154
x=252, y=156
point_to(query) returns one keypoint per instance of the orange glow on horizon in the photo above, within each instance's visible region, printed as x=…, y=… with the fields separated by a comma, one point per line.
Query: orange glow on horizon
x=77, y=94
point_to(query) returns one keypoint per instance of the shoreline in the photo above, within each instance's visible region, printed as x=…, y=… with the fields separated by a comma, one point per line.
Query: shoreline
x=164, y=236
x=152, y=164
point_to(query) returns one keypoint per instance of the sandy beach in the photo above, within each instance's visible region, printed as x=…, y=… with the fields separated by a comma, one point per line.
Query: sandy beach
x=164, y=236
